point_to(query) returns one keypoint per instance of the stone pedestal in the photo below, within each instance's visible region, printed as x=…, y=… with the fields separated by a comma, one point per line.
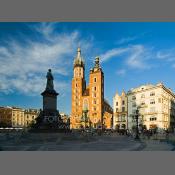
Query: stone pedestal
x=50, y=113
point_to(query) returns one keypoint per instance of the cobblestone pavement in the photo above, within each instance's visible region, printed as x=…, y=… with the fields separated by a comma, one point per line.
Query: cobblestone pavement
x=61, y=142
x=156, y=145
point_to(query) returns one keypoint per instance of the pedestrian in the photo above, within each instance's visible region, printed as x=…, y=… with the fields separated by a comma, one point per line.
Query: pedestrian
x=148, y=134
x=167, y=135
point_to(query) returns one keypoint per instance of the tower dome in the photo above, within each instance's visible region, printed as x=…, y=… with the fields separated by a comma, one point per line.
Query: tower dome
x=78, y=61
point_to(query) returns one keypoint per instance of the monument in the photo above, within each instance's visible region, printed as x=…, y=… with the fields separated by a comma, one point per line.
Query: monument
x=49, y=117
x=50, y=112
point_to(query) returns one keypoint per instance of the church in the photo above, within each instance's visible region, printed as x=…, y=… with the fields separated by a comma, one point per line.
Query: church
x=89, y=108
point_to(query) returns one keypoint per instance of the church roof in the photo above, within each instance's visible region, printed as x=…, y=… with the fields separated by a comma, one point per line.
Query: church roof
x=78, y=61
x=123, y=93
x=96, y=65
x=86, y=92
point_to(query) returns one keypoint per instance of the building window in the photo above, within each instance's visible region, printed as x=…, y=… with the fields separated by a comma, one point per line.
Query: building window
x=152, y=93
x=133, y=104
x=152, y=101
x=123, y=102
x=142, y=103
x=123, y=118
x=95, y=79
x=133, y=97
x=117, y=103
x=159, y=100
x=95, y=88
x=123, y=109
x=133, y=111
x=153, y=118
x=116, y=109
x=94, y=94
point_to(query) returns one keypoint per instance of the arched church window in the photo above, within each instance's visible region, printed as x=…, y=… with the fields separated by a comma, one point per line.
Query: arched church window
x=85, y=104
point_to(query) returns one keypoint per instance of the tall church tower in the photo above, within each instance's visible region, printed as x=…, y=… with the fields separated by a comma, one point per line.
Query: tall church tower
x=96, y=93
x=78, y=87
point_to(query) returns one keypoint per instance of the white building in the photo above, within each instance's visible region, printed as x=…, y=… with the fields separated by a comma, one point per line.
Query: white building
x=156, y=106
x=120, y=111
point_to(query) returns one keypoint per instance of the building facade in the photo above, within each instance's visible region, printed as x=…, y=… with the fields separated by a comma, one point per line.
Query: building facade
x=120, y=114
x=5, y=117
x=156, y=105
x=88, y=101
x=29, y=116
x=17, y=117
x=64, y=117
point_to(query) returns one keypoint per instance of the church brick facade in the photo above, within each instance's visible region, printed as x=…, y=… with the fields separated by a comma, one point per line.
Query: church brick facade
x=89, y=99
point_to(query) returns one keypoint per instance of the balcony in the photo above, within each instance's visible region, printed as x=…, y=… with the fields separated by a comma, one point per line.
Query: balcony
x=143, y=106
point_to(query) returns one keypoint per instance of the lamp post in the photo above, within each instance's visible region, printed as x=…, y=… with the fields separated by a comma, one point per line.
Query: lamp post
x=137, y=124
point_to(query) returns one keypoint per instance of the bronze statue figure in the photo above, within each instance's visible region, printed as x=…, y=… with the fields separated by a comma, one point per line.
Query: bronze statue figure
x=49, y=85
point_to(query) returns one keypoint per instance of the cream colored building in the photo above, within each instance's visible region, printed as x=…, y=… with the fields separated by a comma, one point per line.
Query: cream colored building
x=29, y=116
x=120, y=117
x=64, y=117
x=156, y=106
x=17, y=117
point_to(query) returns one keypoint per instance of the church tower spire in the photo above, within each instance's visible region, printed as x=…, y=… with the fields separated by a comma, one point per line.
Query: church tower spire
x=78, y=61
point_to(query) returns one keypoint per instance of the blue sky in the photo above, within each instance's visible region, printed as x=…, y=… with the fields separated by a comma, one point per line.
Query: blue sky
x=131, y=54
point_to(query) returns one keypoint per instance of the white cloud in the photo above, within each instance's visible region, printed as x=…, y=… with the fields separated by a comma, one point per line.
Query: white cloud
x=121, y=72
x=113, y=52
x=166, y=55
x=137, y=56
x=23, y=67
x=162, y=55
x=126, y=40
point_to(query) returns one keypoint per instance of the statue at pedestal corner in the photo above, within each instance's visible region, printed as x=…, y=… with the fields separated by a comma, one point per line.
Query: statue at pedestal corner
x=49, y=76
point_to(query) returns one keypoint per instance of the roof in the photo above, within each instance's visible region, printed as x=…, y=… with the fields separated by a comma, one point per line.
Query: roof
x=86, y=92
x=149, y=87
x=78, y=61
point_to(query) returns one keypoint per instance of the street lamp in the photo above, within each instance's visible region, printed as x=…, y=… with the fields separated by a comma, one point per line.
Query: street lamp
x=137, y=124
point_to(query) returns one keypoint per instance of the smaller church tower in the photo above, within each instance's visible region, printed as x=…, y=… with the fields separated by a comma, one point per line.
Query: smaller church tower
x=96, y=93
